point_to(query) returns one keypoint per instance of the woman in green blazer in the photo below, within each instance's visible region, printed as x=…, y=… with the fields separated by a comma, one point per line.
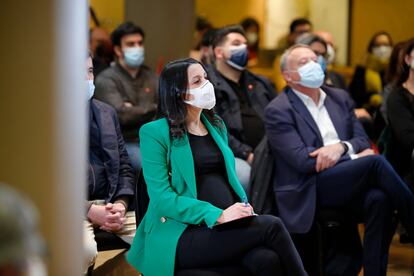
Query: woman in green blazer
x=193, y=188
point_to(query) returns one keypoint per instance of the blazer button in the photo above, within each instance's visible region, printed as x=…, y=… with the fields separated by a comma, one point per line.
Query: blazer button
x=163, y=219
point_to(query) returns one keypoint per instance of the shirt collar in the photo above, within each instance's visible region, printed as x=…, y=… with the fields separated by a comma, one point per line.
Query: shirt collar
x=307, y=100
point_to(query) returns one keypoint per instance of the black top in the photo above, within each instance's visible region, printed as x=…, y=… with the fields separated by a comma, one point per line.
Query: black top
x=253, y=126
x=400, y=111
x=210, y=170
x=98, y=179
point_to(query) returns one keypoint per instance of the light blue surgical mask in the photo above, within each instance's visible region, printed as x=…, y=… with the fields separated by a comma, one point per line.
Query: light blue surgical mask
x=134, y=56
x=322, y=62
x=238, y=57
x=91, y=88
x=311, y=75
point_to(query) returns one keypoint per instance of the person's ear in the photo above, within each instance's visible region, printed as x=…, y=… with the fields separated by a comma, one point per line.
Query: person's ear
x=118, y=51
x=219, y=52
x=407, y=60
x=286, y=75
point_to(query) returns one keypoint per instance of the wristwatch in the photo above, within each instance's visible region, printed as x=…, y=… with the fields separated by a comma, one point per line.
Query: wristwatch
x=346, y=148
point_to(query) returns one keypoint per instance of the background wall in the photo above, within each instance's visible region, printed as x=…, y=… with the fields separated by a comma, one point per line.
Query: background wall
x=222, y=13
x=370, y=16
x=110, y=13
x=168, y=26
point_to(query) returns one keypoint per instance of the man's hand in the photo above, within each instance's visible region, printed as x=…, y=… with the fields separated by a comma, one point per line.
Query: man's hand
x=104, y=217
x=250, y=158
x=118, y=207
x=366, y=152
x=327, y=156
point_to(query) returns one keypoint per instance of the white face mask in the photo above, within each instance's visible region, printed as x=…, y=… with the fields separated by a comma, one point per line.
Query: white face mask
x=203, y=96
x=412, y=64
x=330, y=54
x=382, y=52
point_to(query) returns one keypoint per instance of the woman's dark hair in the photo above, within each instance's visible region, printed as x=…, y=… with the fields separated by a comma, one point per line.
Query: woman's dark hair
x=405, y=68
x=395, y=67
x=124, y=29
x=371, y=44
x=309, y=39
x=173, y=84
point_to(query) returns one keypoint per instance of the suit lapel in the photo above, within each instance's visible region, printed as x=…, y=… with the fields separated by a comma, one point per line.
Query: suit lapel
x=299, y=106
x=228, y=158
x=335, y=115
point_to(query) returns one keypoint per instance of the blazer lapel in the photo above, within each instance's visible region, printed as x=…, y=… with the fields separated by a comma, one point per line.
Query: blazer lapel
x=228, y=158
x=182, y=156
x=335, y=115
x=303, y=112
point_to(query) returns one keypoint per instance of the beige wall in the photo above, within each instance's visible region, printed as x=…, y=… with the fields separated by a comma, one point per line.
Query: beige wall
x=110, y=13
x=370, y=16
x=221, y=13
x=332, y=16
x=168, y=26
x=42, y=118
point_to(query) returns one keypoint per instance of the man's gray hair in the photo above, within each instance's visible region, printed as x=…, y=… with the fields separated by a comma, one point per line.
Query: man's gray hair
x=285, y=56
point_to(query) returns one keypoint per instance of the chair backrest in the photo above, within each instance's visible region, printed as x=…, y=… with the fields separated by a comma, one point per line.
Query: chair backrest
x=141, y=198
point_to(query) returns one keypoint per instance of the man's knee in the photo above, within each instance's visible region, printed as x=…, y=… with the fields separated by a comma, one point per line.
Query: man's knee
x=378, y=199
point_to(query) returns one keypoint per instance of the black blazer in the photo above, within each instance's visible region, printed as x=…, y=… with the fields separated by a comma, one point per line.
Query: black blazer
x=119, y=171
x=400, y=112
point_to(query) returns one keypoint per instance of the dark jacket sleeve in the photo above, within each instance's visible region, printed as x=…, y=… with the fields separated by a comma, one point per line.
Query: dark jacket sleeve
x=285, y=140
x=401, y=120
x=359, y=140
x=125, y=186
x=108, y=91
x=239, y=149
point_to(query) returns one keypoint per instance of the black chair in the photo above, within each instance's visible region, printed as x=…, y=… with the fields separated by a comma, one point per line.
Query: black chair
x=141, y=206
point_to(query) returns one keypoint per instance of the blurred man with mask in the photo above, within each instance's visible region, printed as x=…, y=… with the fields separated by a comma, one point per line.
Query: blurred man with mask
x=129, y=86
x=241, y=96
x=111, y=178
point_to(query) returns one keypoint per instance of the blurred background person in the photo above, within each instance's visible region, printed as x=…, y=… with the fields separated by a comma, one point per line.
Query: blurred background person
x=252, y=30
x=297, y=28
x=21, y=247
x=202, y=26
x=101, y=48
x=400, y=111
x=129, y=86
x=368, y=80
x=392, y=75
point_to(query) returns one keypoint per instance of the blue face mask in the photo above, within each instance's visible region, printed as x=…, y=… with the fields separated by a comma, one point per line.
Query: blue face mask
x=311, y=75
x=322, y=62
x=134, y=56
x=91, y=88
x=238, y=57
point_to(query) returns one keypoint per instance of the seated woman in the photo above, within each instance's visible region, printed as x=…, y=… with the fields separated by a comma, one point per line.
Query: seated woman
x=193, y=188
x=400, y=111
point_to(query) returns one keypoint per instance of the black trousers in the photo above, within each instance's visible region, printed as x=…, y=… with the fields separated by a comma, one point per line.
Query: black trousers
x=371, y=189
x=259, y=243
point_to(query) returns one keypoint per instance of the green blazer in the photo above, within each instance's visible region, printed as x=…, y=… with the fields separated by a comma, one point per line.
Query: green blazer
x=168, y=169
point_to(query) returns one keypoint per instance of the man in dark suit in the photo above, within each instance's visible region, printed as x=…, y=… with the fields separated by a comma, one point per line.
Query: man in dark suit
x=111, y=179
x=323, y=160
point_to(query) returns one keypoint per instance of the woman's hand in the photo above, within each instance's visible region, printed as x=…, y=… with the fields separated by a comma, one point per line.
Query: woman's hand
x=235, y=211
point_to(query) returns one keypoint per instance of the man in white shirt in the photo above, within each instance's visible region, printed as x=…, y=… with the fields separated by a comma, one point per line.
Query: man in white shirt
x=323, y=158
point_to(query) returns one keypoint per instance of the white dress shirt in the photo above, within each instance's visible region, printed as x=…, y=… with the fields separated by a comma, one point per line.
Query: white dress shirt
x=322, y=119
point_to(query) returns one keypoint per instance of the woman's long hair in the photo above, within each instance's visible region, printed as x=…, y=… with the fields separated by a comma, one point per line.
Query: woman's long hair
x=405, y=72
x=173, y=86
